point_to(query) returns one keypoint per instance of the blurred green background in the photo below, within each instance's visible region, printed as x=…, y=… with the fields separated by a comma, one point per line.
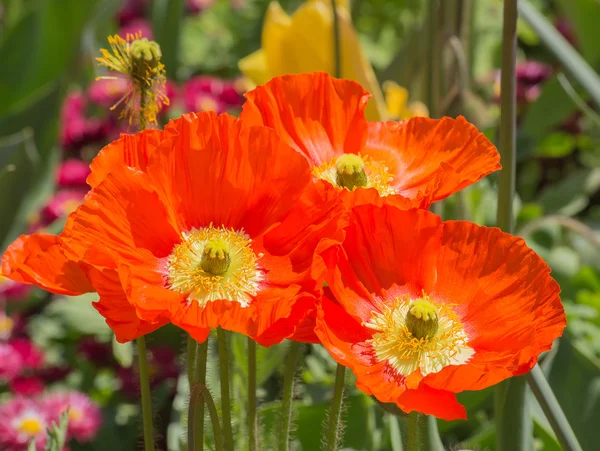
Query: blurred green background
x=52, y=111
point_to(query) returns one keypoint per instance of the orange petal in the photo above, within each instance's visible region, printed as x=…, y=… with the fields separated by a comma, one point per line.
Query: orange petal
x=217, y=170
x=128, y=150
x=116, y=309
x=318, y=115
x=508, y=302
x=432, y=158
x=439, y=403
x=40, y=259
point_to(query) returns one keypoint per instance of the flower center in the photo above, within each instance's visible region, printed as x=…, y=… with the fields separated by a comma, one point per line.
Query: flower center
x=31, y=426
x=418, y=334
x=146, y=57
x=421, y=319
x=215, y=263
x=351, y=171
x=75, y=415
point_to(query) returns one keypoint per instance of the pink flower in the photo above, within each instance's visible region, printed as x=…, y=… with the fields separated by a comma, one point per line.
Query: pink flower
x=196, y=6
x=106, y=92
x=230, y=95
x=131, y=10
x=27, y=385
x=532, y=72
x=72, y=173
x=61, y=205
x=22, y=420
x=135, y=26
x=203, y=94
x=31, y=355
x=11, y=363
x=85, y=417
x=76, y=130
x=13, y=291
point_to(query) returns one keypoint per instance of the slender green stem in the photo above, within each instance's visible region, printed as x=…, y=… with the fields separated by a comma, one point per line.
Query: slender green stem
x=335, y=411
x=556, y=417
x=337, y=51
x=142, y=108
x=433, y=58
x=198, y=368
x=513, y=422
x=508, y=118
x=225, y=398
x=146, y=399
x=252, y=423
x=198, y=396
x=413, y=431
x=287, y=403
x=431, y=435
x=191, y=359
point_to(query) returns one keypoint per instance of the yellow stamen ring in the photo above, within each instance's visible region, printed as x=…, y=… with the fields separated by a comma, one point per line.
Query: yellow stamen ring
x=418, y=334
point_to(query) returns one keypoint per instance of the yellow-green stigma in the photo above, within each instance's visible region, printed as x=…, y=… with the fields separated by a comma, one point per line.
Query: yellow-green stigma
x=422, y=319
x=215, y=258
x=146, y=57
x=350, y=171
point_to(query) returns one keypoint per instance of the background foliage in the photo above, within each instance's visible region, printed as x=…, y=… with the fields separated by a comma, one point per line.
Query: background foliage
x=47, y=49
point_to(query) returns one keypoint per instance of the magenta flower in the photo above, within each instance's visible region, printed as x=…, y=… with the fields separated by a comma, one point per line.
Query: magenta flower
x=131, y=9
x=106, y=92
x=22, y=420
x=137, y=25
x=31, y=355
x=27, y=386
x=203, y=94
x=72, y=174
x=76, y=130
x=85, y=417
x=61, y=205
x=13, y=291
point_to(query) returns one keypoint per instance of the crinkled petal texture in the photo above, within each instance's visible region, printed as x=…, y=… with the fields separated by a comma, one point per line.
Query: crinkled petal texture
x=497, y=289
x=410, y=164
x=156, y=192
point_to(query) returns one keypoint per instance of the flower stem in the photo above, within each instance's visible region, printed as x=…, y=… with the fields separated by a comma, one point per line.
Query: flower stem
x=335, y=411
x=142, y=108
x=225, y=398
x=252, y=432
x=288, y=394
x=513, y=422
x=198, y=396
x=146, y=399
x=191, y=359
x=337, y=53
x=413, y=439
x=556, y=417
x=198, y=376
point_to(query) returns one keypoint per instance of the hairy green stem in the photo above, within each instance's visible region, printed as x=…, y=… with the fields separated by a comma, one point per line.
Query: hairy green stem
x=145, y=391
x=337, y=53
x=199, y=395
x=198, y=376
x=413, y=431
x=225, y=398
x=287, y=403
x=252, y=417
x=335, y=410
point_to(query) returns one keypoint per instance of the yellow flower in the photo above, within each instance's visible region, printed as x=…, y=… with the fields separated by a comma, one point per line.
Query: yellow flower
x=398, y=106
x=304, y=43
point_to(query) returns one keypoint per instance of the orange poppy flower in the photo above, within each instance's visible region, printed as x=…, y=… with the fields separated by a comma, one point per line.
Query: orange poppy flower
x=426, y=309
x=411, y=163
x=176, y=228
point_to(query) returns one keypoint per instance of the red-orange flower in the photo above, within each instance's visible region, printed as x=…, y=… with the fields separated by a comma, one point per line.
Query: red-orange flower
x=410, y=164
x=176, y=229
x=426, y=309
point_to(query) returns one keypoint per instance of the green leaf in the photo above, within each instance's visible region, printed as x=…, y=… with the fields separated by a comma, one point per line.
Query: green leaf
x=78, y=314
x=572, y=61
x=571, y=195
x=166, y=23
x=574, y=378
x=57, y=433
x=584, y=16
x=556, y=145
x=19, y=164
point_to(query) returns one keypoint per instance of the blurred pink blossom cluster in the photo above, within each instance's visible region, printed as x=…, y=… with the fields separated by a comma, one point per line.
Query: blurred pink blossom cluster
x=25, y=419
